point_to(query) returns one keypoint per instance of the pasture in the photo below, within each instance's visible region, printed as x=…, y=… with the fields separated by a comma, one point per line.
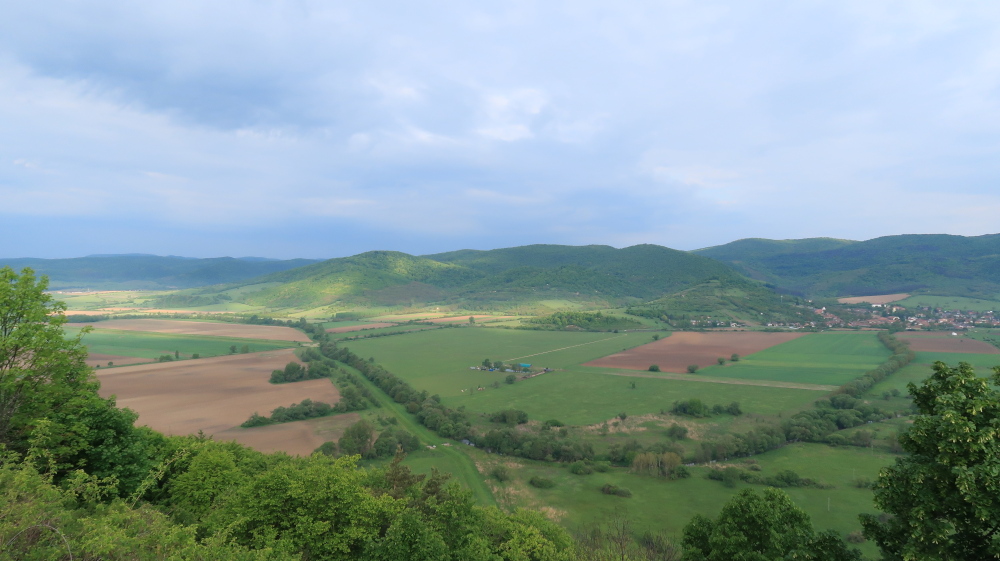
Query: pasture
x=945, y=342
x=878, y=299
x=152, y=345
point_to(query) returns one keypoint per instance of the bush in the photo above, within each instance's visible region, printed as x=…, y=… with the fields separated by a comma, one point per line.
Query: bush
x=541, y=482
x=554, y=423
x=601, y=467
x=501, y=473
x=510, y=379
x=609, y=489
x=677, y=432
x=580, y=468
x=654, y=367
x=734, y=358
x=721, y=361
x=692, y=368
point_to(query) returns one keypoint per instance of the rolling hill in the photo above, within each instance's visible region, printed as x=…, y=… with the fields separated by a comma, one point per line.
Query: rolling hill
x=920, y=263
x=519, y=277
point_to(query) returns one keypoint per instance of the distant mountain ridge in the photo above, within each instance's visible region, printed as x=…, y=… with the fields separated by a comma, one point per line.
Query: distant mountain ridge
x=926, y=263
x=153, y=272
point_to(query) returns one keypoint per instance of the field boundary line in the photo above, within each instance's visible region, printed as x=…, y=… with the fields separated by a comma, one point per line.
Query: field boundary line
x=564, y=348
x=764, y=383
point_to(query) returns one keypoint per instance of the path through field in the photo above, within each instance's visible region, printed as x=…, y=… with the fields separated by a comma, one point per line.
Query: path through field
x=563, y=348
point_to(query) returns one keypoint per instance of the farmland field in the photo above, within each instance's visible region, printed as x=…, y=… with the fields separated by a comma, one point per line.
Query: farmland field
x=438, y=360
x=942, y=342
x=152, y=345
x=181, y=327
x=675, y=353
x=817, y=358
x=299, y=438
x=880, y=299
x=952, y=303
x=211, y=395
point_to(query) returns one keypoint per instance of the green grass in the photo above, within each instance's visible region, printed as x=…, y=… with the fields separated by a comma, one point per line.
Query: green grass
x=584, y=398
x=438, y=360
x=817, y=358
x=152, y=345
x=658, y=505
x=950, y=303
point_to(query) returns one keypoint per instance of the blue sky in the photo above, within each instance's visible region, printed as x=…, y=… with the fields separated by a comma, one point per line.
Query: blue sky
x=323, y=129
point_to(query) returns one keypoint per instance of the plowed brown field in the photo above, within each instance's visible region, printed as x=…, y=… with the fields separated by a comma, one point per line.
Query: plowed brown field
x=210, y=394
x=676, y=352
x=275, y=333
x=299, y=438
x=946, y=343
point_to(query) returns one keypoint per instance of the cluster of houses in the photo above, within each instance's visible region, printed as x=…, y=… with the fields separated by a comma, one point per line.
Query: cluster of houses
x=923, y=318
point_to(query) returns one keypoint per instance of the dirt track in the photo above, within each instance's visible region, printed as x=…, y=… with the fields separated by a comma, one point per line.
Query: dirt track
x=676, y=352
x=275, y=333
x=209, y=394
x=98, y=359
x=946, y=343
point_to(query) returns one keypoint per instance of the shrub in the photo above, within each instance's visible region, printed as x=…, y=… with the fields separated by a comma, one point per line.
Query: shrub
x=609, y=489
x=734, y=358
x=580, y=468
x=654, y=367
x=501, y=473
x=721, y=360
x=554, y=423
x=541, y=482
x=677, y=432
x=510, y=379
x=692, y=368
x=601, y=467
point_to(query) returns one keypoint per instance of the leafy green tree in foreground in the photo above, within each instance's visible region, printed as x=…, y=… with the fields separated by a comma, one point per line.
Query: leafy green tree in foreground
x=944, y=497
x=766, y=527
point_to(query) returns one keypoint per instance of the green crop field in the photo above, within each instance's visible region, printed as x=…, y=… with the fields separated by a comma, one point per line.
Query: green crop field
x=817, y=358
x=438, y=360
x=584, y=398
x=152, y=345
x=952, y=303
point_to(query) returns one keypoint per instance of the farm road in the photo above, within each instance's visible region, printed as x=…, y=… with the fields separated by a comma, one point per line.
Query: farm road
x=563, y=348
x=765, y=383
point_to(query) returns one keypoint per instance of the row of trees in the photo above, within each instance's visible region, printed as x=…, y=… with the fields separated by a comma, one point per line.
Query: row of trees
x=305, y=409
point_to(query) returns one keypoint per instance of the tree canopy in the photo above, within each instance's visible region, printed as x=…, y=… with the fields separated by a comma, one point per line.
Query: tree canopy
x=944, y=496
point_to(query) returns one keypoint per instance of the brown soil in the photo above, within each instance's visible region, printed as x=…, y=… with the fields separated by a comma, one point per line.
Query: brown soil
x=880, y=299
x=300, y=438
x=676, y=352
x=947, y=343
x=85, y=313
x=98, y=359
x=358, y=327
x=275, y=333
x=210, y=394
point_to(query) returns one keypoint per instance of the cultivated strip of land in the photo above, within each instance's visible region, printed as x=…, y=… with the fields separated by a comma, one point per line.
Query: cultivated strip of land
x=717, y=380
x=563, y=348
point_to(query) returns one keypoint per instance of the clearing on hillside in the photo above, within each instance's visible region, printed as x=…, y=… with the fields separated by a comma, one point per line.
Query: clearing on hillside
x=945, y=342
x=681, y=349
x=211, y=394
x=272, y=332
x=879, y=299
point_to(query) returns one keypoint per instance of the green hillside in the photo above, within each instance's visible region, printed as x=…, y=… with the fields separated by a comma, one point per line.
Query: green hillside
x=149, y=272
x=595, y=276
x=933, y=264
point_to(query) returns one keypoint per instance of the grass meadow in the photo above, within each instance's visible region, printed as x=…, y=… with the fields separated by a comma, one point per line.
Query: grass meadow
x=950, y=303
x=152, y=345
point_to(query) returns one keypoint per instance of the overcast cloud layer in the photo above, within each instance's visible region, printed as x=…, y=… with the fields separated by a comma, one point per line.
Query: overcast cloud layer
x=322, y=129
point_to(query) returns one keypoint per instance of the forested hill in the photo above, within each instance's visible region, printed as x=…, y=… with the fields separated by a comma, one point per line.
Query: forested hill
x=485, y=279
x=110, y=272
x=926, y=263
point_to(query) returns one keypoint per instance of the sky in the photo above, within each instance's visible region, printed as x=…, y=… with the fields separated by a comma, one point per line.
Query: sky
x=323, y=129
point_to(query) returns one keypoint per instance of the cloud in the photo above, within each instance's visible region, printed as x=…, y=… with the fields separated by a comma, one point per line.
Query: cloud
x=681, y=123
